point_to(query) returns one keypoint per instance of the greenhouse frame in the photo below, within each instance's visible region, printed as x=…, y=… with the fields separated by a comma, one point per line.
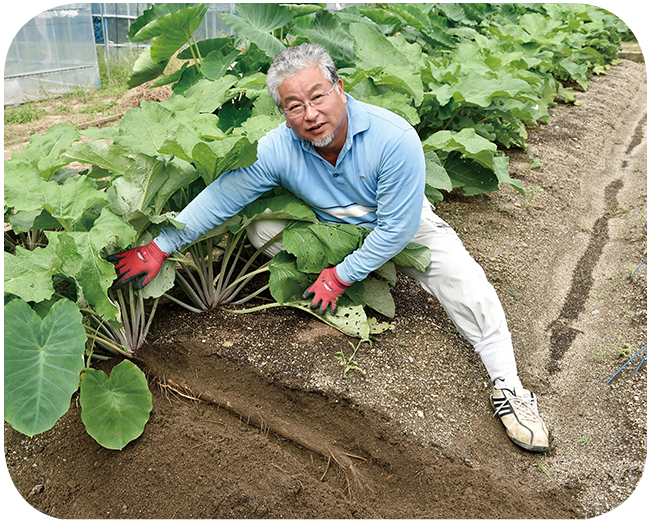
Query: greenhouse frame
x=57, y=51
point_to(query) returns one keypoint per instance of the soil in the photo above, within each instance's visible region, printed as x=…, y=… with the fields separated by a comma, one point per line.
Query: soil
x=413, y=435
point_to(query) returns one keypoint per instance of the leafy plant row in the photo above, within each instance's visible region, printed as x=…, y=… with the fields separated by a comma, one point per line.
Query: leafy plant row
x=471, y=78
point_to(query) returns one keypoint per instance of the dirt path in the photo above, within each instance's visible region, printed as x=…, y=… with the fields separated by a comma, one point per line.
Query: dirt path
x=417, y=426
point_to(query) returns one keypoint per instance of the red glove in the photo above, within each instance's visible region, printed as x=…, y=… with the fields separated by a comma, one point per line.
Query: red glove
x=143, y=261
x=326, y=290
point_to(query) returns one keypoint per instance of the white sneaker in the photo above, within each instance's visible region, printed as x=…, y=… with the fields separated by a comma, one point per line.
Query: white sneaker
x=518, y=411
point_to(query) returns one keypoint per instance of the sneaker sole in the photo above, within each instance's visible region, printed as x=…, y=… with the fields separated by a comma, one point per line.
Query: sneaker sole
x=524, y=445
x=529, y=447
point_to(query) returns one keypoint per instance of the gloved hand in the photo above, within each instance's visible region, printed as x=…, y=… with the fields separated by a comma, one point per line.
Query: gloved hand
x=143, y=261
x=326, y=290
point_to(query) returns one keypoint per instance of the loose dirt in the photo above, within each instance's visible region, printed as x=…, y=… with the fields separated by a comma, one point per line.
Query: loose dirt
x=416, y=427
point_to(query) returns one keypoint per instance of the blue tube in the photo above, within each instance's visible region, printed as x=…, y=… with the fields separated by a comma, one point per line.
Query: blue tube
x=637, y=369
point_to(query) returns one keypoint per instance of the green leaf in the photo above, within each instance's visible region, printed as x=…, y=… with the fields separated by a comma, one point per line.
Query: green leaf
x=436, y=175
x=397, y=103
x=471, y=176
x=286, y=282
x=44, y=151
x=320, y=245
x=42, y=362
x=215, y=65
x=164, y=46
x=285, y=206
x=26, y=190
x=115, y=409
x=375, y=294
x=230, y=116
x=162, y=19
x=414, y=255
x=28, y=274
x=145, y=69
x=481, y=90
x=144, y=129
x=107, y=156
x=94, y=275
x=137, y=189
x=225, y=45
x=212, y=159
x=256, y=21
x=332, y=36
x=401, y=79
x=373, y=49
x=351, y=321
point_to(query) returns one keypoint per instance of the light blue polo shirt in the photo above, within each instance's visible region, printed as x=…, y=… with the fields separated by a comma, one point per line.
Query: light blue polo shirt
x=377, y=182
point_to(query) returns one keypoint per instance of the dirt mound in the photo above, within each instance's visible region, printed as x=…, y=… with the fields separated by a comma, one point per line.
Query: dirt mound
x=135, y=96
x=413, y=437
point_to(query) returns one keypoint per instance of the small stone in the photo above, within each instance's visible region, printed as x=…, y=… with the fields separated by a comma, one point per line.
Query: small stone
x=36, y=490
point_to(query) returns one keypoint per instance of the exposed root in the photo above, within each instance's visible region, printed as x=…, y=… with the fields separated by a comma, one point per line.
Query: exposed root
x=283, y=429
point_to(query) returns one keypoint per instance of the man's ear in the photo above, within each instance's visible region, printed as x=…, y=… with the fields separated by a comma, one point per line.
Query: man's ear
x=287, y=124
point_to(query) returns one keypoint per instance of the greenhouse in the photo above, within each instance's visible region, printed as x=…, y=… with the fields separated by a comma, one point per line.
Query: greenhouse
x=57, y=51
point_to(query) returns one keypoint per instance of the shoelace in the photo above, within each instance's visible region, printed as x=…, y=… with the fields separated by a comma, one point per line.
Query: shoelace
x=526, y=408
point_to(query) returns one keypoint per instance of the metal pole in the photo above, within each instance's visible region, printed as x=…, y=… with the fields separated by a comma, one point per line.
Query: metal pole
x=105, y=29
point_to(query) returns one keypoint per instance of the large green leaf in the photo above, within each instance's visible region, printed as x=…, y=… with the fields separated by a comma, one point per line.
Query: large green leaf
x=414, y=255
x=285, y=206
x=26, y=190
x=396, y=102
x=320, y=245
x=144, y=129
x=164, y=46
x=375, y=294
x=115, y=409
x=481, y=90
x=28, y=274
x=164, y=18
x=108, y=156
x=212, y=159
x=215, y=64
x=93, y=274
x=137, y=190
x=332, y=36
x=286, y=282
x=42, y=362
x=373, y=49
x=256, y=21
x=44, y=151
x=471, y=176
x=146, y=69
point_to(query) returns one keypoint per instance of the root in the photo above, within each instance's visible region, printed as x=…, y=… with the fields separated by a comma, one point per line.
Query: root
x=280, y=428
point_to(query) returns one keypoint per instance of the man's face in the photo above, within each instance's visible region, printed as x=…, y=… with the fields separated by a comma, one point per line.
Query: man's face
x=316, y=125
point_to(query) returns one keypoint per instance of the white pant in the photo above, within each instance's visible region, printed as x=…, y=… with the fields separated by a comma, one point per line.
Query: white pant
x=456, y=280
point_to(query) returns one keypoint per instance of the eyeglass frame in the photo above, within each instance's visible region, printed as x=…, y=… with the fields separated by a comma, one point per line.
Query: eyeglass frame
x=303, y=106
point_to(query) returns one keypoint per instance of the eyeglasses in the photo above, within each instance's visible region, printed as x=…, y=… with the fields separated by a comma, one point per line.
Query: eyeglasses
x=297, y=109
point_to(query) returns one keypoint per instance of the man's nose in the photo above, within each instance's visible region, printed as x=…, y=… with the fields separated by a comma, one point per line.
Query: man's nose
x=310, y=111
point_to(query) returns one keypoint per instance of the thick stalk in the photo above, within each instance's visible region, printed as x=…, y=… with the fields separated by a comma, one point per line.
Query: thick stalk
x=183, y=304
x=191, y=292
x=125, y=319
x=148, y=325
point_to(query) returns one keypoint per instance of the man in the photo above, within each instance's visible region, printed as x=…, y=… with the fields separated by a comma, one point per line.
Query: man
x=356, y=163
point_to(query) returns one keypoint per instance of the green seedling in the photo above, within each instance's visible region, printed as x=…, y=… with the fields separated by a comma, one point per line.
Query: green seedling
x=349, y=362
x=531, y=193
x=542, y=466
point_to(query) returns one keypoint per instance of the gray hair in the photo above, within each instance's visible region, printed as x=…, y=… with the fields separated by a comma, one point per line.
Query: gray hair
x=293, y=60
